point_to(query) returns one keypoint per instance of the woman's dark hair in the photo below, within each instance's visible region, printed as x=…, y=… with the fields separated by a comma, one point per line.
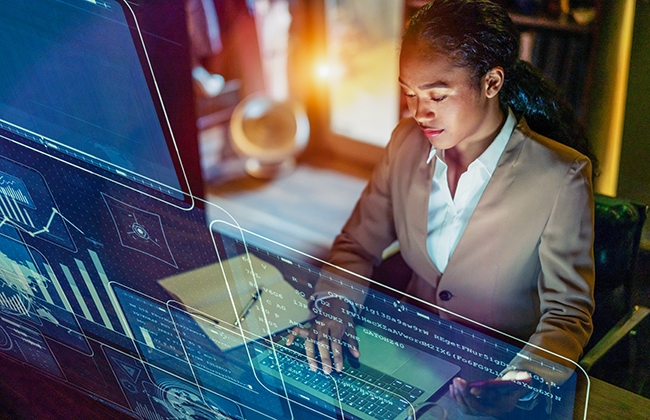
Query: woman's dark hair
x=479, y=35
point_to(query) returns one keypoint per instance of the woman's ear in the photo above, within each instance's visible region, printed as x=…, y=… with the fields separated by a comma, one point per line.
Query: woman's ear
x=493, y=81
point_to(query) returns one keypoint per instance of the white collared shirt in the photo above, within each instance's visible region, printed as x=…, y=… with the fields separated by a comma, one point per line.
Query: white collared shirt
x=449, y=216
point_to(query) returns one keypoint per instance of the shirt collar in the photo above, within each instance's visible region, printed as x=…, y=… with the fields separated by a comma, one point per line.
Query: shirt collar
x=432, y=154
x=490, y=157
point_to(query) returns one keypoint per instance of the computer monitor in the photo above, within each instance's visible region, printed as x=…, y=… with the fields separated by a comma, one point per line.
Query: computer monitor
x=78, y=83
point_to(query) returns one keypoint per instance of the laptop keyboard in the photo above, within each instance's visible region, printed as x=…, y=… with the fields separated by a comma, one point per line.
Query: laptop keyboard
x=365, y=389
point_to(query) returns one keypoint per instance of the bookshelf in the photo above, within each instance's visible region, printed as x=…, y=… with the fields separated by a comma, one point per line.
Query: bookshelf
x=560, y=48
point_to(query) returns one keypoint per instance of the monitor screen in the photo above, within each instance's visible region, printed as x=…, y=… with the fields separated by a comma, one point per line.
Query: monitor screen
x=76, y=79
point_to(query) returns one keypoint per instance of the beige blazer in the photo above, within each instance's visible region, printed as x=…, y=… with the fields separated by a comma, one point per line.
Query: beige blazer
x=524, y=264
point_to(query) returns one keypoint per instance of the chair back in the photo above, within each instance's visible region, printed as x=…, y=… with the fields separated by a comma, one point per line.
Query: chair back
x=617, y=229
x=618, y=226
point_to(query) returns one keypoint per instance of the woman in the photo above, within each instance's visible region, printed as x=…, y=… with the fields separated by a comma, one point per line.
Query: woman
x=494, y=218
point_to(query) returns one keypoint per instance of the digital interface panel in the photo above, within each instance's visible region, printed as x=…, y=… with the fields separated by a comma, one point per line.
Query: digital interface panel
x=112, y=284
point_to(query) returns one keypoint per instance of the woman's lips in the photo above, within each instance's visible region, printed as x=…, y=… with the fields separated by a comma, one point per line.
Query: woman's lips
x=431, y=133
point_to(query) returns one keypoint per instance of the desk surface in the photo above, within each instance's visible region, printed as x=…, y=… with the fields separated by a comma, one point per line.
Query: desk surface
x=607, y=401
x=305, y=209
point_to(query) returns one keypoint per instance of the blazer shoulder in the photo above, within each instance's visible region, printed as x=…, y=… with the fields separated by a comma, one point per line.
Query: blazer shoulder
x=406, y=131
x=408, y=138
x=541, y=146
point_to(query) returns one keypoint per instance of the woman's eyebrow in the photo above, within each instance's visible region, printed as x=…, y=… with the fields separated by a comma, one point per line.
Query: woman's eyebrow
x=438, y=84
x=432, y=85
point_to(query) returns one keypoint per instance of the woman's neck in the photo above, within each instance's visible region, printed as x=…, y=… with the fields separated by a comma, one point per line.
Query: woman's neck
x=460, y=157
x=467, y=152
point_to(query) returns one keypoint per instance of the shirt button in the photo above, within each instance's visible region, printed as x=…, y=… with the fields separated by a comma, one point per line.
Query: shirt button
x=445, y=295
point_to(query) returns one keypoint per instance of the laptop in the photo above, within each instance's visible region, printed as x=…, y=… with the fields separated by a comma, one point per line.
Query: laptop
x=391, y=379
x=386, y=382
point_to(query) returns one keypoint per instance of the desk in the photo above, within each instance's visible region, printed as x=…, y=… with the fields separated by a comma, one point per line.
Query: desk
x=607, y=401
x=304, y=210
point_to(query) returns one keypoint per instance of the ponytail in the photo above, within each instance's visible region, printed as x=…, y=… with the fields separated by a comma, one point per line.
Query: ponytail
x=532, y=96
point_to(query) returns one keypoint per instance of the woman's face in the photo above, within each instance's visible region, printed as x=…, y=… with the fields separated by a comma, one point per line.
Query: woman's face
x=451, y=109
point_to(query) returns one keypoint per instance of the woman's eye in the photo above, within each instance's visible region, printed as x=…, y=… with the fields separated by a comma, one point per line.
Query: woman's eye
x=438, y=98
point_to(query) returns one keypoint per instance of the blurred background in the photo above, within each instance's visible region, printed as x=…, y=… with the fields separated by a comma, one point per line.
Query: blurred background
x=338, y=58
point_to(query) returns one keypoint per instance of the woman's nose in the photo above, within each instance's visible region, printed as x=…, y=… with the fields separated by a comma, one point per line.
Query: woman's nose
x=422, y=112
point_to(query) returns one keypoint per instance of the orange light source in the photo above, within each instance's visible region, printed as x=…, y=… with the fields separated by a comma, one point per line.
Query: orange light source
x=323, y=71
x=328, y=70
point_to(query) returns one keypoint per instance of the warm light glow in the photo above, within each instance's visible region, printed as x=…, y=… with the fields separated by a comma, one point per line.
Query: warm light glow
x=328, y=70
x=323, y=71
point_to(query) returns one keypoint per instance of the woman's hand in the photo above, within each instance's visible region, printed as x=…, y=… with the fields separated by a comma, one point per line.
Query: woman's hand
x=490, y=400
x=331, y=330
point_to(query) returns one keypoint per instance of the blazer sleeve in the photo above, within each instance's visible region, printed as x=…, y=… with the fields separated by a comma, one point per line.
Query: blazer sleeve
x=566, y=282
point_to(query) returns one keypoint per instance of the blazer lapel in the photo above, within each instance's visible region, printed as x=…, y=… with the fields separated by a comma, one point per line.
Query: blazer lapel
x=419, y=214
x=492, y=197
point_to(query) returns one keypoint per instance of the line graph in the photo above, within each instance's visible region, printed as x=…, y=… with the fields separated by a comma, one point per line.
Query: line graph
x=27, y=206
x=44, y=229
